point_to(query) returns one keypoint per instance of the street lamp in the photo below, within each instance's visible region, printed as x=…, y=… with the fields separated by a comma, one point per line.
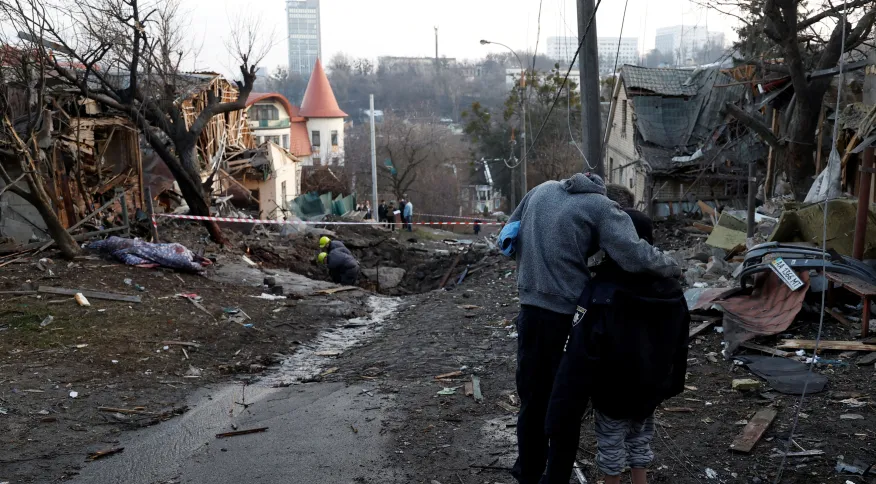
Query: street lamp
x=522, y=91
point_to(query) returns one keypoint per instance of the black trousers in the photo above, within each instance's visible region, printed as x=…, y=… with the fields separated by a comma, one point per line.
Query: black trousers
x=541, y=336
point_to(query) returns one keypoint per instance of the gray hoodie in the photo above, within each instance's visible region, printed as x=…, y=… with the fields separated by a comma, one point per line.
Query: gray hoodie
x=564, y=222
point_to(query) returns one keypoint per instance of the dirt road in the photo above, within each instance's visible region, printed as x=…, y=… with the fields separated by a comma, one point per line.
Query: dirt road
x=356, y=399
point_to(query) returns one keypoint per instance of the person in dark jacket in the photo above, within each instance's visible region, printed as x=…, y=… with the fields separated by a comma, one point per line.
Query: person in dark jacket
x=381, y=212
x=342, y=265
x=562, y=223
x=627, y=352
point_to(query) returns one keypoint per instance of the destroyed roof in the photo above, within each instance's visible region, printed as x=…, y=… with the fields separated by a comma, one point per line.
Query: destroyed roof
x=668, y=82
x=319, y=99
x=681, y=123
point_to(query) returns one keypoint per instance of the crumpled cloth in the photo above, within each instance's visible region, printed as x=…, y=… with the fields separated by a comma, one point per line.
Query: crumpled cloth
x=136, y=252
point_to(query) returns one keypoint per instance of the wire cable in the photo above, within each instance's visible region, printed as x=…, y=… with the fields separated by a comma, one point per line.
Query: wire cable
x=823, y=257
x=565, y=79
x=616, y=79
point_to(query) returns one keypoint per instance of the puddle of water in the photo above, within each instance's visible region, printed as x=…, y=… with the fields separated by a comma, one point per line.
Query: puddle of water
x=313, y=358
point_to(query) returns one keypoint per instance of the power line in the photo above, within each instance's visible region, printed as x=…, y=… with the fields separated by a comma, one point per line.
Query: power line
x=617, y=78
x=566, y=78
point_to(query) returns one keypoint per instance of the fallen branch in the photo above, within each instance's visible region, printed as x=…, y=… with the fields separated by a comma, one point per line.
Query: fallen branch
x=241, y=432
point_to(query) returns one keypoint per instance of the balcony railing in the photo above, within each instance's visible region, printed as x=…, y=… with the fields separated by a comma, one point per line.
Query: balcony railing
x=271, y=123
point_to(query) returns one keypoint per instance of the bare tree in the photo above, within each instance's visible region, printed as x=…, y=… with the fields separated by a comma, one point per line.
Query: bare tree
x=412, y=149
x=27, y=131
x=808, y=37
x=126, y=56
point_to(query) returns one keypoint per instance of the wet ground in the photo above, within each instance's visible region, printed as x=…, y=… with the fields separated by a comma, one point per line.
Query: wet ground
x=350, y=393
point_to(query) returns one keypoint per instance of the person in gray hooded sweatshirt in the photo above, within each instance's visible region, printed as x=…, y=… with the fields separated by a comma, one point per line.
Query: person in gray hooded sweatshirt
x=562, y=223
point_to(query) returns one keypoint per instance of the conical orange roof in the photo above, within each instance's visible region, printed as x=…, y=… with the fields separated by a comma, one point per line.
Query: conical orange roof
x=319, y=99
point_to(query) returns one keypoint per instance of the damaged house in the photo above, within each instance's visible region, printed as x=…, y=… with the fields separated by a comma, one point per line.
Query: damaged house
x=670, y=143
x=94, y=155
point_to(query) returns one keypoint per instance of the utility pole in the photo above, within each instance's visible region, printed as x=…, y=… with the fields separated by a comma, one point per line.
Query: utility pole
x=373, y=162
x=588, y=65
x=436, y=46
x=525, y=188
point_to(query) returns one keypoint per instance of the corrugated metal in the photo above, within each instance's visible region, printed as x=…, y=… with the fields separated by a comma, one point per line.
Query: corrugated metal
x=669, y=82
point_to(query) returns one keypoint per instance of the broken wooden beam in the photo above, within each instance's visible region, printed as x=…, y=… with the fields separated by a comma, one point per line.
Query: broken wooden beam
x=754, y=430
x=241, y=432
x=109, y=296
x=765, y=349
x=700, y=328
x=104, y=453
x=129, y=411
x=703, y=227
x=809, y=344
x=448, y=375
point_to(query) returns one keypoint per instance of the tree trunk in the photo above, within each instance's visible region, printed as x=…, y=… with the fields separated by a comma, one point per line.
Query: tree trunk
x=193, y=192
x=40, y=200
x=797, y=157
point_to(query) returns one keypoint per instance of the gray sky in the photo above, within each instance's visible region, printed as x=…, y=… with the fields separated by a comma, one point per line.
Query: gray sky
x=370, y=28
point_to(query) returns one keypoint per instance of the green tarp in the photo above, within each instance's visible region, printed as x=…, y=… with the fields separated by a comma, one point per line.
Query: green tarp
x=313, y=206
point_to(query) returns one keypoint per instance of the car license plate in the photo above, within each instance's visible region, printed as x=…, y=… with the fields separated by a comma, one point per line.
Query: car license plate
x=786, y=274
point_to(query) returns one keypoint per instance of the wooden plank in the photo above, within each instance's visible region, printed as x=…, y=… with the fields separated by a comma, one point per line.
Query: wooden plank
x=703, y=227
x=337, y=289
x=809, y=344
x=706, y=208
x=755, y=429
x=89, y=294
x=699, y=328
x=836, y=314
x=765, y=349
x=853, y=284
x=448, y=375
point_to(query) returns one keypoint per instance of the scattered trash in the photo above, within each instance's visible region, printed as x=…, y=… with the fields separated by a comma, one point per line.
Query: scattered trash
x=476, y=387
x=109, y=296
x=128, y=282
x=47, y=321
x=270, y=297
x=851, y=416
x=249, y=261
x=104, y=453
x=4, y=411
x=193, y=372
x=745, y=384
x=81, y=300
x=448, y=391
x=241, y=432
x=74, y=394
x=711, y=474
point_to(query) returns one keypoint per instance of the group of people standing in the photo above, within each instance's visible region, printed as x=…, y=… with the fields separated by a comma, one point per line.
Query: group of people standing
x=614, y=335
x=386, y=214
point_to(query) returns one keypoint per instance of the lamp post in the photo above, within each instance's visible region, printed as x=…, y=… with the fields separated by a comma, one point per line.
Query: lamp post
x=522, y=92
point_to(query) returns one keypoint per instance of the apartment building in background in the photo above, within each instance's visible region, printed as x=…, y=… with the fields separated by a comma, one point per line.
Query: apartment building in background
x=305, y=41
x=684, y=42
x=625, y=49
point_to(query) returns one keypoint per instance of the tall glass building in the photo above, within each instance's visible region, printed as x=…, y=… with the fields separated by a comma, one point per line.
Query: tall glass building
x=305, y=43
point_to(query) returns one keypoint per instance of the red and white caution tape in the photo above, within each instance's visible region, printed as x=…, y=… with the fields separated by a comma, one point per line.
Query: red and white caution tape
x=451, y=216
x=302, y=222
